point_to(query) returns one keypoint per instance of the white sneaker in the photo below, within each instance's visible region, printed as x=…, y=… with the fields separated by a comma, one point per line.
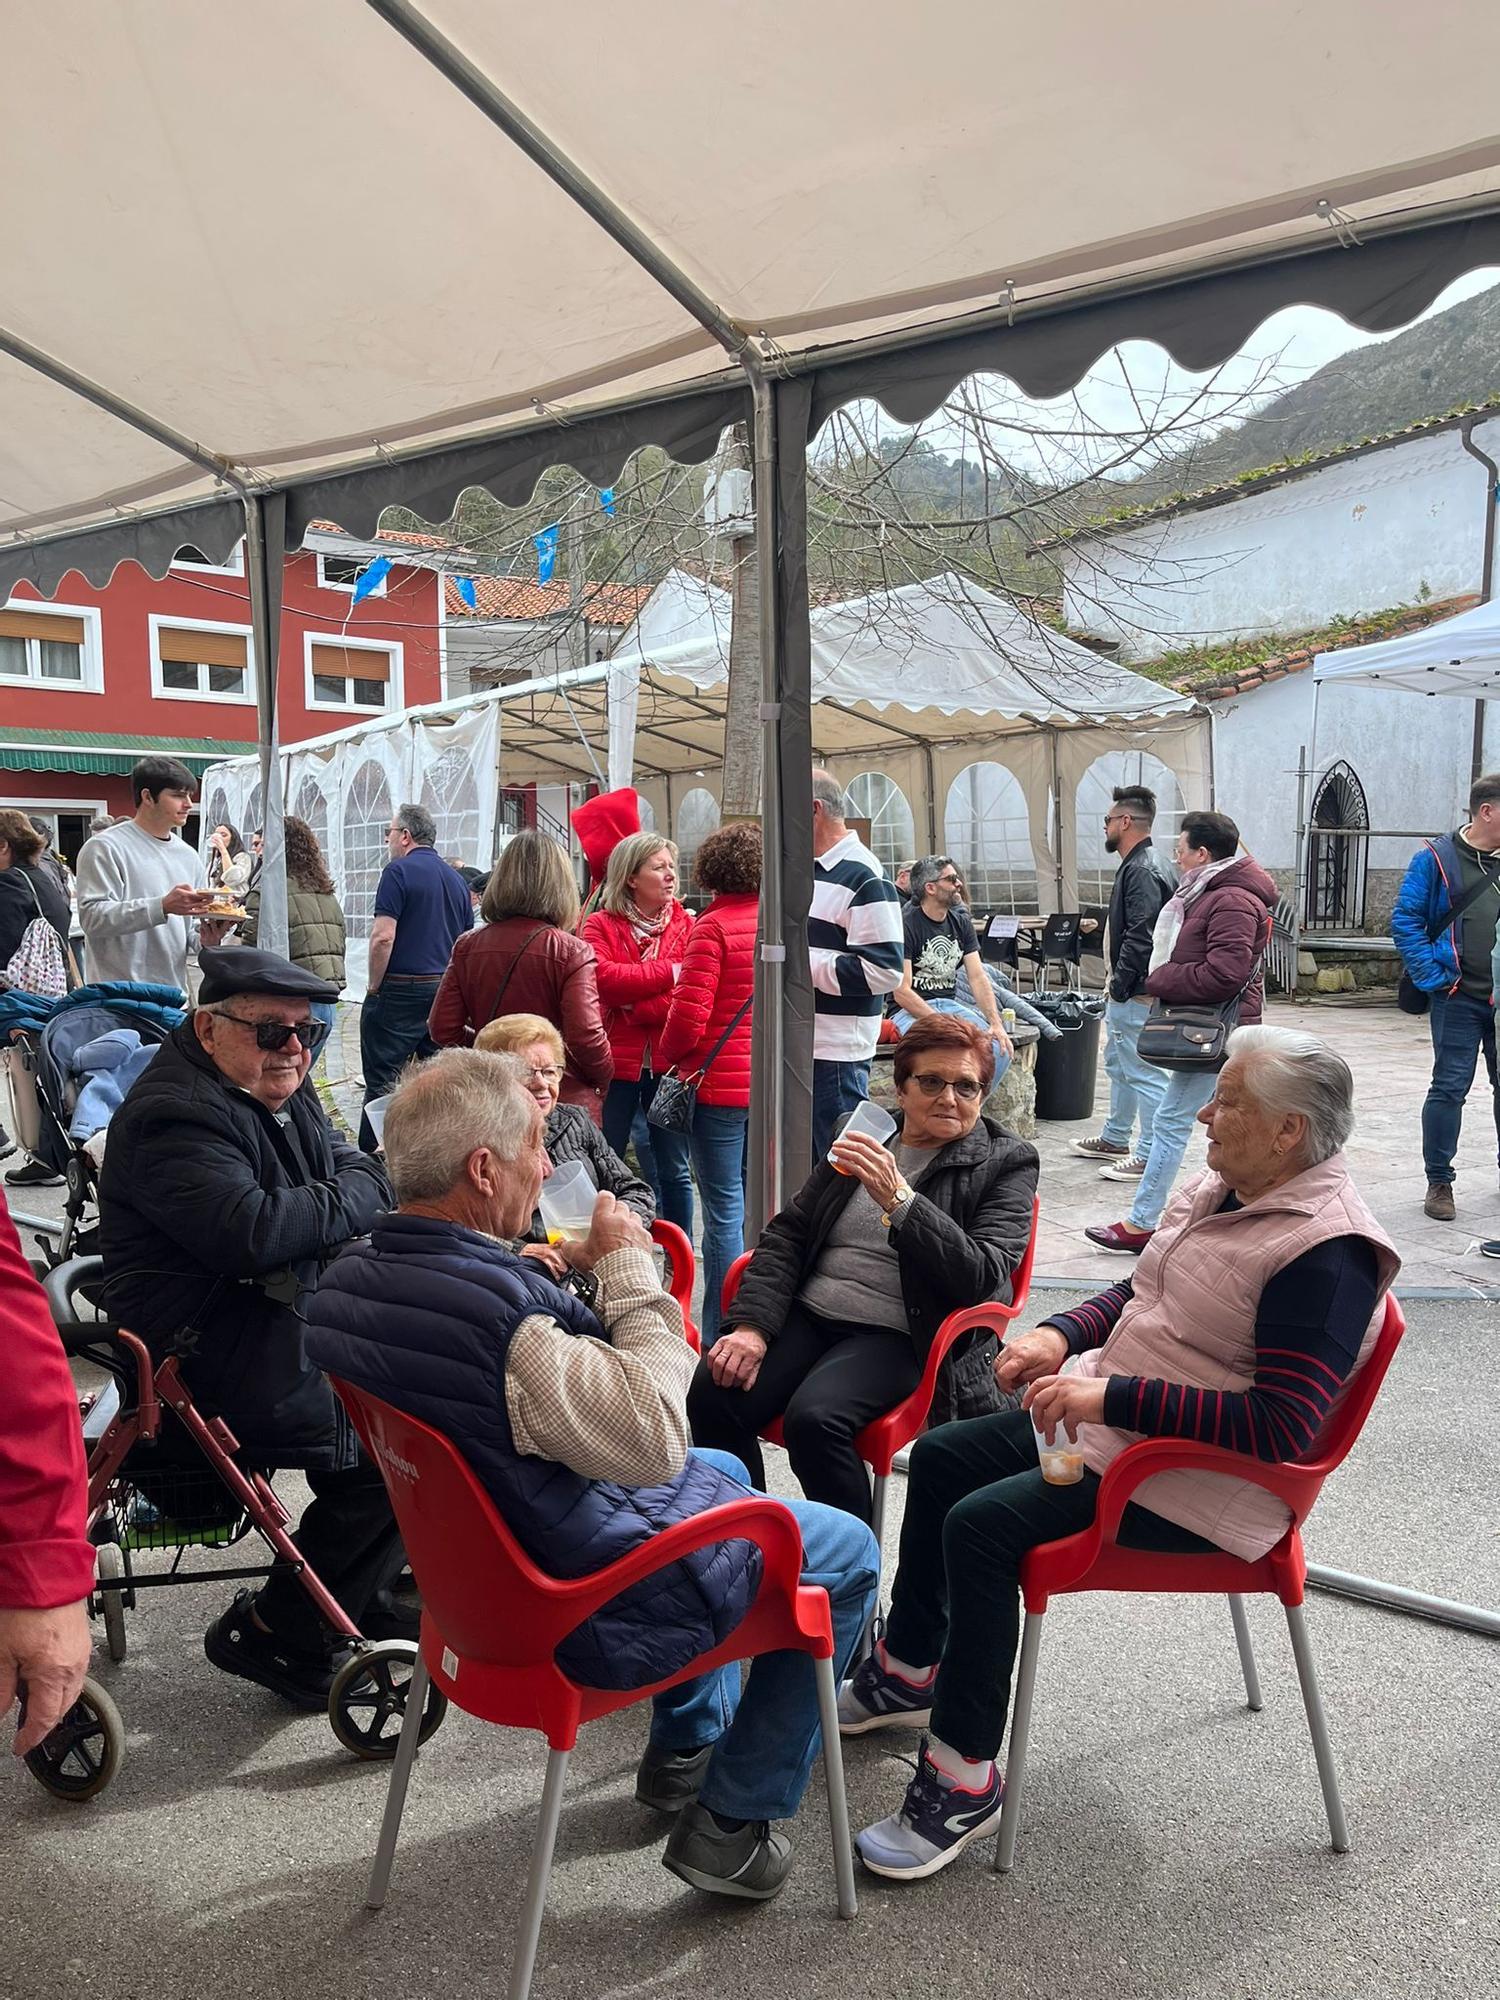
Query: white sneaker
x=1124, y=1170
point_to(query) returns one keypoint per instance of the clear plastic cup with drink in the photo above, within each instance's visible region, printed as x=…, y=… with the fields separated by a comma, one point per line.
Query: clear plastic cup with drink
x=1060, y=1458
x=375, y=1111
x=869, y=1119
x=567, y=1202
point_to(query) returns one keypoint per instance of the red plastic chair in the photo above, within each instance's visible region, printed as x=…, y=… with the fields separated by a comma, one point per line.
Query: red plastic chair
x=1094, y=1560
x=880, y=1440
x=677, y=1248
x=491, y=1622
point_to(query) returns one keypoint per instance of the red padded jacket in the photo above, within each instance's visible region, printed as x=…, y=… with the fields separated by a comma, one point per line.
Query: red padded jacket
x=636, y=992
x=718, y=976
x=553, y=976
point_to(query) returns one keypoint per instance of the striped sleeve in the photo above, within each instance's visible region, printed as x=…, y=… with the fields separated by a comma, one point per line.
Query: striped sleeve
x=1091, y=1324
x=1313, y=1316
x=854, y=937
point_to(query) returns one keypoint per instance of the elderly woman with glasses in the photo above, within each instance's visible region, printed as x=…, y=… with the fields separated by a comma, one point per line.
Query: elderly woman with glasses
x=569, y=1133
x=848, y=1285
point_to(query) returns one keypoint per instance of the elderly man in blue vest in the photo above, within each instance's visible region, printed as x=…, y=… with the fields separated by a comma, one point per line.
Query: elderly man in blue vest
x=580, y=1436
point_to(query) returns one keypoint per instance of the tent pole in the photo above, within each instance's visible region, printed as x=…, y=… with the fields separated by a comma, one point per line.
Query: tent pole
x=768, y=1099
x=1307, y=766
x=1057, y=823
x=265, y=532
x=932, y=814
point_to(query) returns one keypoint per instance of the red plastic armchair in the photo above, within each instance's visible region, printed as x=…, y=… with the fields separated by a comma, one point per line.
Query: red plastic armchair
x=491, y=1622
x=1094, y=1560
x=880, y=1440
x=677, y=1248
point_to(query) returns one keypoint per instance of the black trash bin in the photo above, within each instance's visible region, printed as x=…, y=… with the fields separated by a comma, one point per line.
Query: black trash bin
x=1067, y=1065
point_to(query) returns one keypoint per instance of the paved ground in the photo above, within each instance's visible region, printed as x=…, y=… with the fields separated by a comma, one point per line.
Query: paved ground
x=1173, y=1843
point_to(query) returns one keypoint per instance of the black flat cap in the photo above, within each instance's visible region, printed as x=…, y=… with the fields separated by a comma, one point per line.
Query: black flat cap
x=238, y=968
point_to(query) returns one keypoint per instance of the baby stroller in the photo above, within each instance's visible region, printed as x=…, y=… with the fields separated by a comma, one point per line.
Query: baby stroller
x=165, y=1480
x=41, y=1040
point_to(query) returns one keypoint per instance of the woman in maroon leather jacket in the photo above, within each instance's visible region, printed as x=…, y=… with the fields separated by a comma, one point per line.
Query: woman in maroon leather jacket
x=524, y=959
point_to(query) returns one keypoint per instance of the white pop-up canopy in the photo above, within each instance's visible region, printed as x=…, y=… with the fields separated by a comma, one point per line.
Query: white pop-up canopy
x=1460, y=656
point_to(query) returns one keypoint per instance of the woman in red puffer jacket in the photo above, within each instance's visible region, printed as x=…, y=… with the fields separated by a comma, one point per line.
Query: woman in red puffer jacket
x=639, y=933
x=718, y=978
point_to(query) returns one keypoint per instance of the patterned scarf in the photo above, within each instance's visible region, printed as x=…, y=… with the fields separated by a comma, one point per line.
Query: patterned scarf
x=646, y=930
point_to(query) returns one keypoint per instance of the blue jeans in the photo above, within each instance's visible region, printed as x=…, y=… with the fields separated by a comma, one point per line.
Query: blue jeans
x=668, y=1169
x=1136, y=1088
x=1187, y=1091
x=767, y=1736
x=837, y=1088
x=964, y=1012
x=1461, y=1028
x=392, y=1028
x=719, y=1143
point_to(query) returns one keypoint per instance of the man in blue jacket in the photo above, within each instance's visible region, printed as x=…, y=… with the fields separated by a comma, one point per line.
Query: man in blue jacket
x=1444, y=926
x=571, y=1406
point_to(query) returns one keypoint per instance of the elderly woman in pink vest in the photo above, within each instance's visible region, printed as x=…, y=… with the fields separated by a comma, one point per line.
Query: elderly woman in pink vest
x=1251, y=1307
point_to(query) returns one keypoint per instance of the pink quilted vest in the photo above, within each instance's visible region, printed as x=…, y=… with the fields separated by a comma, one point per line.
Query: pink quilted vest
x=1196, y=1288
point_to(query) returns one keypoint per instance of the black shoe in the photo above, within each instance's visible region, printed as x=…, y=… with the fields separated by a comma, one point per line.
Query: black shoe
x=7, y=1144
x=395, y=1612
x=33, y=1174
x=668, y=1780
x=751, y=1861
x=1490, y=1247
x=236, y=1643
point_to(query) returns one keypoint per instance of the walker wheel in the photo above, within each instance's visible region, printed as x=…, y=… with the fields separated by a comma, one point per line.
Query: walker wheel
x=84, y=1751
x=367, y=1701
x=111, y=1603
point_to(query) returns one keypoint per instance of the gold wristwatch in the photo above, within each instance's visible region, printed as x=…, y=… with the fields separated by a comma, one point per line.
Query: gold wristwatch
x=898, y=1202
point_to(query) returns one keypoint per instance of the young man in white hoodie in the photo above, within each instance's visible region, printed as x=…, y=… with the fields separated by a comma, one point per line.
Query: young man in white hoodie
x=142, y=890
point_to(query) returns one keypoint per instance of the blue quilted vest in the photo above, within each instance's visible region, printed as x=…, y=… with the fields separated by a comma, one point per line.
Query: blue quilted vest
x=422, y=1314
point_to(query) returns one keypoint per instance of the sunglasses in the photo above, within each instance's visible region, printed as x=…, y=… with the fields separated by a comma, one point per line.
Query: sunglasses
x=274, y=1035
x=934, y=1086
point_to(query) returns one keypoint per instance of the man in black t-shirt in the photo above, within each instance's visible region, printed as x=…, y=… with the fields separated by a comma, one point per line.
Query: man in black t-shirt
x=940, y=939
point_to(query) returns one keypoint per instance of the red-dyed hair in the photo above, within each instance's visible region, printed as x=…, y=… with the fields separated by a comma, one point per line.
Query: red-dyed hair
x=945, y=1034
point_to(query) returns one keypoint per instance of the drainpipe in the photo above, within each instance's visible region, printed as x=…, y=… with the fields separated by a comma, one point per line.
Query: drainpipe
x=1486, y=564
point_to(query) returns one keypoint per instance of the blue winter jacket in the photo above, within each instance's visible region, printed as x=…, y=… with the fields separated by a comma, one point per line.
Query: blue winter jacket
x=421, y=1315
x=1431, y=884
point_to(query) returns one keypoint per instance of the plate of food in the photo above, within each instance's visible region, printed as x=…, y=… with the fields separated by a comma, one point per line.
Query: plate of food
x=225, y=912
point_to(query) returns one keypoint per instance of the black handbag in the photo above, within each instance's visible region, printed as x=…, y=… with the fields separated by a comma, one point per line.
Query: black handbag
x=676, y=1097
x=1195, y=1036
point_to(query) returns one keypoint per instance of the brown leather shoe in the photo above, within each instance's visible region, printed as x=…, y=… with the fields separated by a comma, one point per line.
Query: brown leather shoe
x=1439, y=1202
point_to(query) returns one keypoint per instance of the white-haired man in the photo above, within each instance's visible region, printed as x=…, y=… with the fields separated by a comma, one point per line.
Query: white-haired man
x=571, y=1406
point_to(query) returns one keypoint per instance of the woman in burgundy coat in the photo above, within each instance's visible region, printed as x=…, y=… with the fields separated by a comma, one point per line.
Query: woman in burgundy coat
x=718, y=977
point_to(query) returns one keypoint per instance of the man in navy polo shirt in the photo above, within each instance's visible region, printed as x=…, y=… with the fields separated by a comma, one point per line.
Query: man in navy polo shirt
x=421, y=906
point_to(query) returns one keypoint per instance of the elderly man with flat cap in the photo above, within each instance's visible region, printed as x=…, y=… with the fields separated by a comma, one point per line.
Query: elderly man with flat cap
x=224, y=1193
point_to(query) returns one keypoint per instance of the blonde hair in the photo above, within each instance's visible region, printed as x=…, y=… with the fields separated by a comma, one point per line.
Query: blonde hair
x=627, y=860
x=440, y=1114
x=509, y=1034
x=532, y=878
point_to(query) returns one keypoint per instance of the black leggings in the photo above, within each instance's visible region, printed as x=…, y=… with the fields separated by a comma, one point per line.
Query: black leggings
x=826, y=1380
x=976, y=1502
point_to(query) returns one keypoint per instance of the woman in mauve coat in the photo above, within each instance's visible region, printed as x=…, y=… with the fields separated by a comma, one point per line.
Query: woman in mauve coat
x=718, y=977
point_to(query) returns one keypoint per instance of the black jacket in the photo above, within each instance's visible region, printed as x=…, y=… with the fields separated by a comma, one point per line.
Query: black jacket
x=204, y=1193
x=573, y=1135
x=19, y=907
x=967, y=1230
x=1142, y=885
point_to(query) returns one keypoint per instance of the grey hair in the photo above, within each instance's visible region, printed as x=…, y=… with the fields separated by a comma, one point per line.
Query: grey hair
x=418, y=822
x=928, y=870
x=444, y=1110
x=830, y=794
x=1295, y=1074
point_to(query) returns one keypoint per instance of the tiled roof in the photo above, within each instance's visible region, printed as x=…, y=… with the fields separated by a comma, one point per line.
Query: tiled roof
x=520, y=597
x=1212, y=682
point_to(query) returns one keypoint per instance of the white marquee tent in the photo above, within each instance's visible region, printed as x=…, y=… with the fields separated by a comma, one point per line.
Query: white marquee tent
x=1460, y=656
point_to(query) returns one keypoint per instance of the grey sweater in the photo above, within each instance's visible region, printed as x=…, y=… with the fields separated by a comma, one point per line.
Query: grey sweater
x=123, y=874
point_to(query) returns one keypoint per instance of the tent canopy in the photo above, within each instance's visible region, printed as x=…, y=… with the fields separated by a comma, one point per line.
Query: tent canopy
x=1461, y=656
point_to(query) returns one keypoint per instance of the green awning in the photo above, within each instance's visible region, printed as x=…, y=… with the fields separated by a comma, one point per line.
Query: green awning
x=100, y=754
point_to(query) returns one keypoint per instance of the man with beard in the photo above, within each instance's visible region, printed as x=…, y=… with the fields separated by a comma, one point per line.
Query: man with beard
x=940, y=942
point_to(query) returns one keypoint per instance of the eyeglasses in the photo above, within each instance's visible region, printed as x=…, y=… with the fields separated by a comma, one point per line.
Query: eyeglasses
x=544, y=1075
x=934, y=1086
x=274, y=1035
x=951, y=880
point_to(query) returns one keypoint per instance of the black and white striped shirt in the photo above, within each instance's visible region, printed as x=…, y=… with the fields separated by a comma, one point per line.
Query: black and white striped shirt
x=855, y=943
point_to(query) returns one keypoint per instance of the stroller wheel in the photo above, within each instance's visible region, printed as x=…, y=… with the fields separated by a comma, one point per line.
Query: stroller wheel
x=86, y=1749
x=367, y=1702
x=110, y=1558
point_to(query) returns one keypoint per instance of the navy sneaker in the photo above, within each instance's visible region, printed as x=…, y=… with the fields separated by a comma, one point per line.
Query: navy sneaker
x=878, y=1699
x=937, y=1820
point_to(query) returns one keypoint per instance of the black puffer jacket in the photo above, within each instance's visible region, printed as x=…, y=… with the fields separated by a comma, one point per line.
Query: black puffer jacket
x=203, y=1196
x=967, y=1230
x=1143, y=881
x=572, y=1135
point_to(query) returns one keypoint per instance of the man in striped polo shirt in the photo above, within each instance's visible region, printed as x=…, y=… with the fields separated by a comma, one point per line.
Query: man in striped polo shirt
x=855, y=943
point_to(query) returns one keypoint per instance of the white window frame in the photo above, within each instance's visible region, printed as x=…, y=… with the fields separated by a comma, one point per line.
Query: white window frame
x=394, y=651
x=93, y=649
x=157, y=619
x=234, y=567
x=348, y=589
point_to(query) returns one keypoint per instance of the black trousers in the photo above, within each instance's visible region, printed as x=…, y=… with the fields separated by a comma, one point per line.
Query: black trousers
x=392, y=1028
x=348, y=1535
x=825, y=1379
x=976, y=1502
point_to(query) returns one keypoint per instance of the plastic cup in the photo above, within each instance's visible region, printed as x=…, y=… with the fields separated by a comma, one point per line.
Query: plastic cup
x=1061, y=1460
x=375, y=1111
x=869, y=1119
x=567, y=1202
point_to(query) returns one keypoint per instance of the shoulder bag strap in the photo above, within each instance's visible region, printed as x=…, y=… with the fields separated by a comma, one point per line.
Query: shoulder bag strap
x=1456, y=910
x=739, y=1014
x=516, y=958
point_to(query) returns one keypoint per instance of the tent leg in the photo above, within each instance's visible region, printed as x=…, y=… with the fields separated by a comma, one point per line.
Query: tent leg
x=768, y=1100
x=265, y=543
